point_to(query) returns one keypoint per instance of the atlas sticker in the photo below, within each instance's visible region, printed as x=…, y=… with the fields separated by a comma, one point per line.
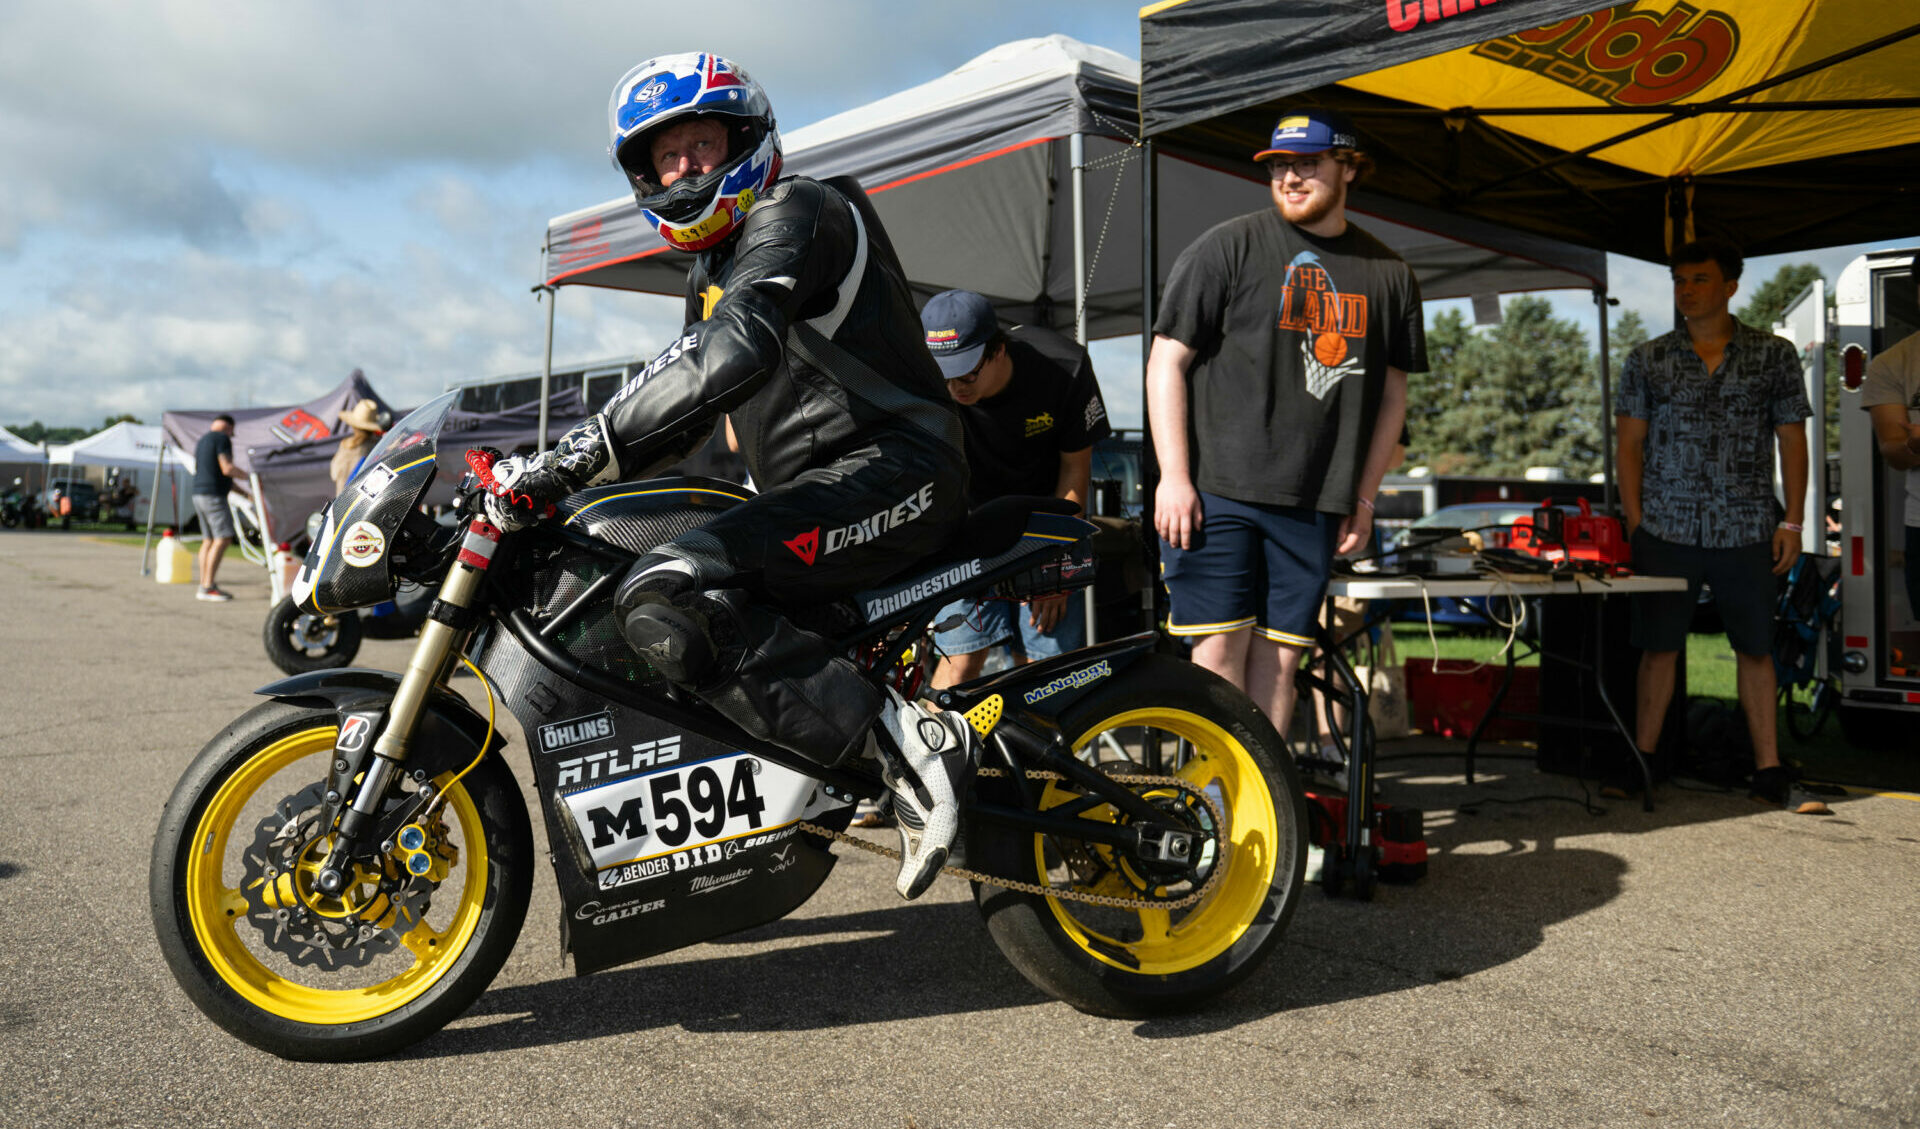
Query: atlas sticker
x=612, y=762
x=1072, y=681
x=363, y=544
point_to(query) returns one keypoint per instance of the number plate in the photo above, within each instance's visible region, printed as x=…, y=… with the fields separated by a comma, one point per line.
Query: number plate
x=644, y=817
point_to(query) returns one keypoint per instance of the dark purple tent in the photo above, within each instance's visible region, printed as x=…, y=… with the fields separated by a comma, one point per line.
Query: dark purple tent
x=294, y=476
x=268, y=428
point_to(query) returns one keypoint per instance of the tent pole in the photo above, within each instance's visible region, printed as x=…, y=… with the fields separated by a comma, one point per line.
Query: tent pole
x=1606, y=407
x=1077, y=156
x=546, y=370
x=1149, y=279
x=153, y=499
x=1813, y=535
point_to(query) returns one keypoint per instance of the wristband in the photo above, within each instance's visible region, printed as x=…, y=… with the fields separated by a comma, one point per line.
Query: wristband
x=1791, y=526
x=1367, y=503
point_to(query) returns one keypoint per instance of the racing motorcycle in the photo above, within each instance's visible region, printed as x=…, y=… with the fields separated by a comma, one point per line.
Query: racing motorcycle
x=344, y=868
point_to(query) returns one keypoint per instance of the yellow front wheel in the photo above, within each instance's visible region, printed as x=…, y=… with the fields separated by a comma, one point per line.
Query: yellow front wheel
x=416, y=934
x=1160, y=717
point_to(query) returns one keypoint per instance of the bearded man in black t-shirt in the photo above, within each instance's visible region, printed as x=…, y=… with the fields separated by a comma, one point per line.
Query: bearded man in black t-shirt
x=1276, y=387
x=1031, y=411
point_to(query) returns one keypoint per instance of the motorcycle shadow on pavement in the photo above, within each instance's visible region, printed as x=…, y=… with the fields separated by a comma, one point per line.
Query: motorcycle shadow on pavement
x=806, y=973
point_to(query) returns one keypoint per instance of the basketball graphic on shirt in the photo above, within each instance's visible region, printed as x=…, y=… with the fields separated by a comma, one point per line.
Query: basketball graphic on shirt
x=1329, y=323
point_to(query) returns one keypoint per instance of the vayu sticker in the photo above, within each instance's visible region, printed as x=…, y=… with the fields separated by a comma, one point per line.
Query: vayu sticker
x=363, y=544
x=576, y=731
x=1071, y=681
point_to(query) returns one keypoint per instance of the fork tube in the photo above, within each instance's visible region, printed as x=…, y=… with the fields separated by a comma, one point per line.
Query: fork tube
x=437, y=642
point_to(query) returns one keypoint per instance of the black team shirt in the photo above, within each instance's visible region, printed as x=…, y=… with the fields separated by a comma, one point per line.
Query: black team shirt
x=1294, y=334
x=1050, y=406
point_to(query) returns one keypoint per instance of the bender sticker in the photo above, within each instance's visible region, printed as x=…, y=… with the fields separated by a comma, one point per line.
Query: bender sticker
x=1332, y=325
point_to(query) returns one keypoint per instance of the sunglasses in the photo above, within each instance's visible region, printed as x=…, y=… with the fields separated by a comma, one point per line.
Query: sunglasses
x=971, y=374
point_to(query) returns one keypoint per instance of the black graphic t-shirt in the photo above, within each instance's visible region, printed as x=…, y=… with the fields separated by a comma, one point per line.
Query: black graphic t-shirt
x=1051, y=406
x=1294, y=335
x=207, y=478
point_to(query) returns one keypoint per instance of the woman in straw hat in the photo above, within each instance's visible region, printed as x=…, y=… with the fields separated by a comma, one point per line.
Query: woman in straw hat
x=368, y=423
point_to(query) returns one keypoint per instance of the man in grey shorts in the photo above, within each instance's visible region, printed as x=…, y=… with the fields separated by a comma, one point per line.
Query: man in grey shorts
x=1701, y=411
x=212, y=479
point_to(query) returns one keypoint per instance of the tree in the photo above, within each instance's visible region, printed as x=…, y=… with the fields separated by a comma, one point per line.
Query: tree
x=1523, y=394
x=123, y=418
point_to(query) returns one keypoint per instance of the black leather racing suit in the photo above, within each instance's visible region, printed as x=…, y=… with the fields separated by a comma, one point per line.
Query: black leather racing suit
x=859, y=462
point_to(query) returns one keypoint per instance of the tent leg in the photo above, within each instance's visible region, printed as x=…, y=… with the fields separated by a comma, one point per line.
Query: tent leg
x=153, y=500
x=1077, y=158
x=1606, y=409
x=1149, y=292
x=546, y=370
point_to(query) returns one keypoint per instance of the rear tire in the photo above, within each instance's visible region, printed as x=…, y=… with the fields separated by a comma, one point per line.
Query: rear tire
x=1118, y=962
x=299, y=643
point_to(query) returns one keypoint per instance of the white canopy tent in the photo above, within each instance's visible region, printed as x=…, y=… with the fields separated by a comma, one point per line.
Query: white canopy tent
x=122, y=445
x=14, y=449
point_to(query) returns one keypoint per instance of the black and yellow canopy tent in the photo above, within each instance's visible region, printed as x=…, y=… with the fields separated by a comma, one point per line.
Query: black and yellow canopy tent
x=1780, y=124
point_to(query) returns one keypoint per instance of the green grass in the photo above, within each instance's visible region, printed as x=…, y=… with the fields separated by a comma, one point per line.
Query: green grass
x=1710, y=674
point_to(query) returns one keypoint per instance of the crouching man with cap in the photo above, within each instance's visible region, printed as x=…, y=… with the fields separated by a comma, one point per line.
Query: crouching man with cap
x=1032, y=413
x=1276, y=388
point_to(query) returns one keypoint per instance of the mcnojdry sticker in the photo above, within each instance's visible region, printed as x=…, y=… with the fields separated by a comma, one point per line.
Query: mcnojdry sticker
x=576, y=731
x=1071, y=681
x=363, y=544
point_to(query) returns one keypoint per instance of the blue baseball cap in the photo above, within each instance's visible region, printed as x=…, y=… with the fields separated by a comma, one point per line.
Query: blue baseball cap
x=959, y=323
x=1307, y=131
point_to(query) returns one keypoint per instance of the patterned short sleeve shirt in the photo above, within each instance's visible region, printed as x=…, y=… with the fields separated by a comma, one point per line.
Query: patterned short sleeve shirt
x=1707, y=479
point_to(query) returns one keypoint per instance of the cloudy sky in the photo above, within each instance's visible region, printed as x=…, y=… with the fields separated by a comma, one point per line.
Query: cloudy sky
x=215, y=203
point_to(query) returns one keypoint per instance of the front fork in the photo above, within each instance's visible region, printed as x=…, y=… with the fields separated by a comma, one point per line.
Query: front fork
x=446, y=628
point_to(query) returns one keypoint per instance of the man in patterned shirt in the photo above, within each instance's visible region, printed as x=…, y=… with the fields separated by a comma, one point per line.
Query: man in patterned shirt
x=1701, y=410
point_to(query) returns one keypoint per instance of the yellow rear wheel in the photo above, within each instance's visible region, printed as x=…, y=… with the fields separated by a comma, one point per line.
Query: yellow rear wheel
x=1157, y=717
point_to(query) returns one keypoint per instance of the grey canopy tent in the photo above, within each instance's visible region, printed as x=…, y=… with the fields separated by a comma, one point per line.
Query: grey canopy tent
x=1018, y=176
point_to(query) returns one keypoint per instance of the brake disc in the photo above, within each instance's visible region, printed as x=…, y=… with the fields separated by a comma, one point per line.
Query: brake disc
x=366, y=920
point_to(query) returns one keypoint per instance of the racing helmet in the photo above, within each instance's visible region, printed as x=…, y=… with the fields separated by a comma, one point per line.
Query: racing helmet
x=699, y=210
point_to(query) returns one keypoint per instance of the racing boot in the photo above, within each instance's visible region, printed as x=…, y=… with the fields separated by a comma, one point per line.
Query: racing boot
x=661, y=617
x=927, y=760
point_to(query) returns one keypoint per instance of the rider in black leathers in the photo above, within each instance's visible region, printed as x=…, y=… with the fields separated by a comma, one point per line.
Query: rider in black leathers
x=802, y=330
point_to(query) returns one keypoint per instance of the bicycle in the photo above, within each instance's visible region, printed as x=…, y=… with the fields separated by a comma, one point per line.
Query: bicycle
x=1808, y=614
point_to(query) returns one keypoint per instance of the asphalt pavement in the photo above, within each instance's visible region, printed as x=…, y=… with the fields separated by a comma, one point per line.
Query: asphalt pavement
x=1709, y=963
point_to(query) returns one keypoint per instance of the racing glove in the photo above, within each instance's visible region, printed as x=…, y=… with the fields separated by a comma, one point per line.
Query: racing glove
x=524, y=488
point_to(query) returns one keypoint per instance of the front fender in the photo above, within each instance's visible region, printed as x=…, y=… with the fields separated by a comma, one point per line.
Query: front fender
x=450, y=730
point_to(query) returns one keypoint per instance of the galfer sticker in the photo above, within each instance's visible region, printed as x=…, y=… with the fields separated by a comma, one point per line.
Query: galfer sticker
x=682, y=817
x=363, y=544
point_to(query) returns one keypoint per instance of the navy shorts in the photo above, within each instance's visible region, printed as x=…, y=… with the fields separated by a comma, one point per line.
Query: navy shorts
x=1745, y=591
x=1251, y=565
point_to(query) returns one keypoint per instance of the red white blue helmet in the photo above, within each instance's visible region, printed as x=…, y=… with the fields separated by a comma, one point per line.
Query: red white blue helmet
x=697, y=211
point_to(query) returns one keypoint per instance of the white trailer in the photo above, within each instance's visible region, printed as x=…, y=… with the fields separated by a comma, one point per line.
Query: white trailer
x=1880, y=653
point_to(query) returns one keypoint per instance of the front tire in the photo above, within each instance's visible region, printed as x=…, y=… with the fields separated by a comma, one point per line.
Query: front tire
x=393, y=962
x=299, y=643
x=1135, y=963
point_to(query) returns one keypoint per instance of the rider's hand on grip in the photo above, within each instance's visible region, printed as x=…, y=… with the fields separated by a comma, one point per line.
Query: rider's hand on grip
x=519, y=491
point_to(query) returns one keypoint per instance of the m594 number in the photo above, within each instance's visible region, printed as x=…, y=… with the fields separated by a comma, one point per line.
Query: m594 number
x=633, y=818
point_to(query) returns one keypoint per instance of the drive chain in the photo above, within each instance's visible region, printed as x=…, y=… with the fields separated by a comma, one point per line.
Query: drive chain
x=1067, y=893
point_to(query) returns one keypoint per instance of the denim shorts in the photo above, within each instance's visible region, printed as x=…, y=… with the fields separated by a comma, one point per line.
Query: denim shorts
x=992, y=622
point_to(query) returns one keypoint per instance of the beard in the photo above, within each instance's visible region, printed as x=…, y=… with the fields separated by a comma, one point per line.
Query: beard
x=1319, y=204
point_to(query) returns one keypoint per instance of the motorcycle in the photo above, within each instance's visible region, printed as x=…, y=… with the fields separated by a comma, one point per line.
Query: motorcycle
x=344, y=868
x=299, y=642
